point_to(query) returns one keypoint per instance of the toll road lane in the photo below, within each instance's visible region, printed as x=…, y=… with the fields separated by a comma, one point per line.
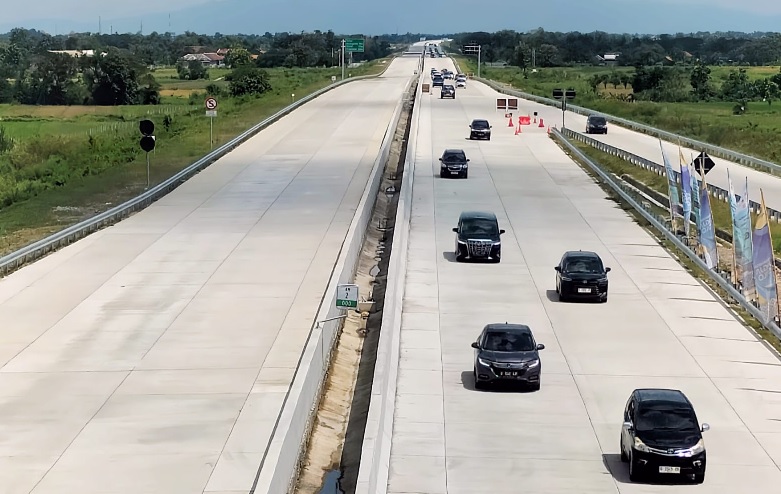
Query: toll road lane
x=660, y=328
x=153, y=356
x=647, y=147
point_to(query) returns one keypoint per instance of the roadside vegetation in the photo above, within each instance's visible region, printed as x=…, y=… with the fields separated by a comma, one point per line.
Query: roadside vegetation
x=69, y=137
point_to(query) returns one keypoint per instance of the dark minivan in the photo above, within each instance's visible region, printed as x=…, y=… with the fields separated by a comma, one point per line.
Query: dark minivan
x=661, y=435
x=596, y=124
x=507, y=353
x=478, y=237
x=581, y=274
x=454, y=162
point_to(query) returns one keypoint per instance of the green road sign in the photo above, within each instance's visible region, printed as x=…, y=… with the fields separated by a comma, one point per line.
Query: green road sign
x=347, y=296
x=354, y=45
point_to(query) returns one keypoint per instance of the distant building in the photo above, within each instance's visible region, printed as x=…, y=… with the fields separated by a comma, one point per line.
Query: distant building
x=608, y=59
x=76, y=53
x=208, y=59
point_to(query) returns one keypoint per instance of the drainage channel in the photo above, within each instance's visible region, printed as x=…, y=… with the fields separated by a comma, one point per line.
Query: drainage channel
x=333, y=452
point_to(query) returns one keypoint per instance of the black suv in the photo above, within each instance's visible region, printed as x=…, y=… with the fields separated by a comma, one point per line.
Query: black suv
x=661, y=435
x=448, y=91
x=477, y=237
x=581, y=274
x=480, y=129
x=507, y=353
x=454, y=162
x=596, y=125
x=437, y=80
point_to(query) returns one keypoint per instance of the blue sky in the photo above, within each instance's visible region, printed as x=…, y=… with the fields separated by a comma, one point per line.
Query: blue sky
x=378, y=17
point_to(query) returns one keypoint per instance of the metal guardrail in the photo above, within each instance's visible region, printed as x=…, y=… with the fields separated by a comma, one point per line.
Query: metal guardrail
x=36, y=250
x=716, y=192
x=720, y=152
x=626, y=191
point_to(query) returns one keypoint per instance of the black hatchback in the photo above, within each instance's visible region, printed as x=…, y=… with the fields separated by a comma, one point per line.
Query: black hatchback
x=507, y=353
x=478, y=237
x=581, y=274
x=661, y=435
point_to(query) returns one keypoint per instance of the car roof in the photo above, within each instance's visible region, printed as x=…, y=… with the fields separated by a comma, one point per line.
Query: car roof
x=448, y=151
x=581, y=253
x=661, y=396
x=479, y=120
x=508, y=328
x=487, y=215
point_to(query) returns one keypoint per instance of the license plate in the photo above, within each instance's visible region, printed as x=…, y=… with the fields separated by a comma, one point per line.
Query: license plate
x=455, y=172
x=510, y=373
x=669, y=469
x=584, y=290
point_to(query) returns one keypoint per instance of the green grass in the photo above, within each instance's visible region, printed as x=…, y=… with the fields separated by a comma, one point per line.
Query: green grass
x=112, y=168
x=754, y=133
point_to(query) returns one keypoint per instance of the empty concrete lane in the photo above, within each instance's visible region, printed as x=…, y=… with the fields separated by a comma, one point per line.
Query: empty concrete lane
x=153, y=356
x=660, y=328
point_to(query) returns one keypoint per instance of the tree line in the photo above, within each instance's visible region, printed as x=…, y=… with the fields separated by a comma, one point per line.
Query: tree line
x=31, y=74
x=556, y=49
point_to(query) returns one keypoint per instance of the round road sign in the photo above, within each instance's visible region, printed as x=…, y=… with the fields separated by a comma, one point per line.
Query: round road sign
x=211, y=104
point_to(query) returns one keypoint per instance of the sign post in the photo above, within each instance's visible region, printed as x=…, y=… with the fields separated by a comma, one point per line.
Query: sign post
x=211, y=112
x=347, y=297
x=564, y=96
x=351, y=45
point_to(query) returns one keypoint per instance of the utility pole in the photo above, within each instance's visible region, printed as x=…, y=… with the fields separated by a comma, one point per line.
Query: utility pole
x=342, y=59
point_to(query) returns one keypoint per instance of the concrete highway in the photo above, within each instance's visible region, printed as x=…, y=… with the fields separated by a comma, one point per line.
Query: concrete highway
x=660, y=328
x=153, y=356
x=648, y=147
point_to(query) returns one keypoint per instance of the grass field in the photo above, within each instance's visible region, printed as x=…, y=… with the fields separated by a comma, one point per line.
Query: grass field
x=754, y=133
x=95, y=150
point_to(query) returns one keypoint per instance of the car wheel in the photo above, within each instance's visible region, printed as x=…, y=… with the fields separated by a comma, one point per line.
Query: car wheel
x=699, y=478
x=535, y=386
x=466, y=174
x=562, y=297
x=478, y=384
x=441, y=174
x=459, y=258
x=603, y=300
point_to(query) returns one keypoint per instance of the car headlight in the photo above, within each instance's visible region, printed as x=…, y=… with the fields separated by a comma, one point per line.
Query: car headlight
x=533, y=363
x=564, y=278
x=483, y=361
x=696, y=449
x=462, y=242
x=602, y=280
x=640, y=446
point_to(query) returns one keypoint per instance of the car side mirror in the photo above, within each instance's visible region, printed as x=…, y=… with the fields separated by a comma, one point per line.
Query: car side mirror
x=557, y=268
x=476, y=345
x=704, y=428
x=501, y=232
x=455, y=229
x=540, y=346
x=440, y=159
x=468, y=159
x=607, y=270
x=490, y=126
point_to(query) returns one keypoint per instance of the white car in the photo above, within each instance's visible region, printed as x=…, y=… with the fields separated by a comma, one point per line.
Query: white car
x=461, y=83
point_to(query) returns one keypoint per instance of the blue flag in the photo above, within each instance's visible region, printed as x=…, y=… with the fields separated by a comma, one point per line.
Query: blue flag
x=707, y=229
x=764, y=266
x=686, y=186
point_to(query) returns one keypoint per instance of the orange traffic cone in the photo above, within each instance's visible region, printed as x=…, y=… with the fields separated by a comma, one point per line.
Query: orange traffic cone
x=510, y=123
x=518, y=130
x=542, y=126
x=548, y=129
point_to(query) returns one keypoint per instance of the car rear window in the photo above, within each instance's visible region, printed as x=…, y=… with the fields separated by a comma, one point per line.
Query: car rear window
x=479, y=226
x=450, y=157
x=598, y=120
x=666, y=419
x=479, y=124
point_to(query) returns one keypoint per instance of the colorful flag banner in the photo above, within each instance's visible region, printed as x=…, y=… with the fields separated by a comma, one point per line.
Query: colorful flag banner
x=764, y=265
x=741, y=239
x=686, y=188
x=695, y=194
x=707, y=229
x=672, y=186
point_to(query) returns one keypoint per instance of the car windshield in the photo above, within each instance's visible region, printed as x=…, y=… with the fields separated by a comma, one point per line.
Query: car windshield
x=479, y=226
x=666, y=419
x=479, y=124
x=454, y=157
x=501, y=341
x=584, y=265
x=598, y=120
